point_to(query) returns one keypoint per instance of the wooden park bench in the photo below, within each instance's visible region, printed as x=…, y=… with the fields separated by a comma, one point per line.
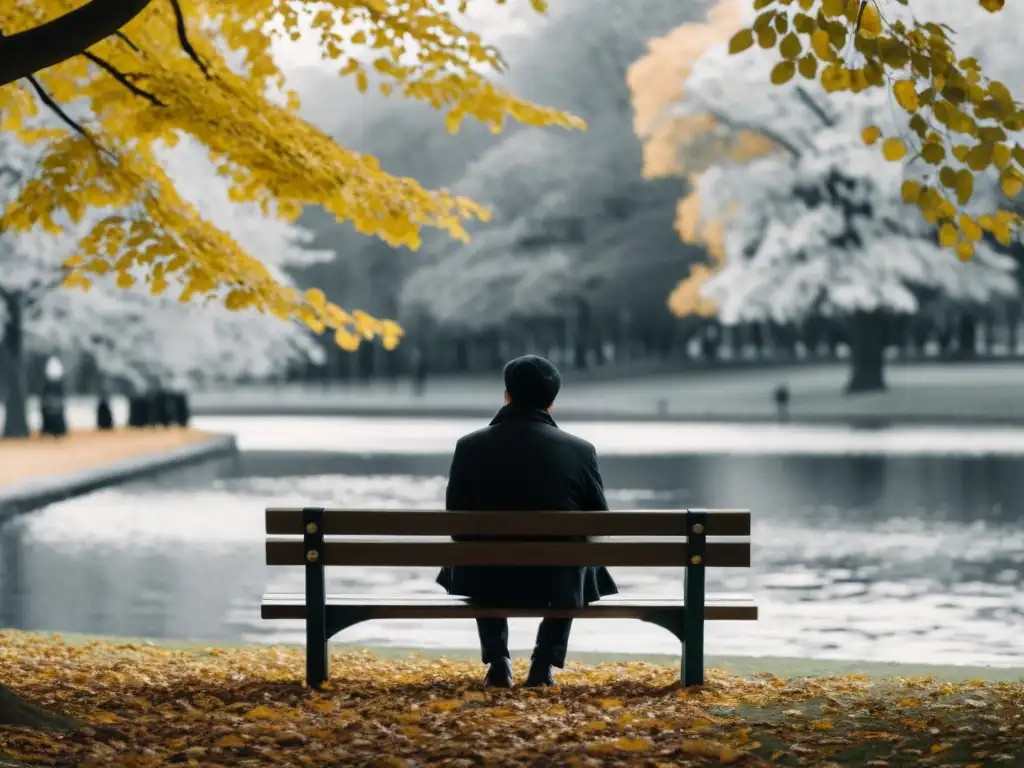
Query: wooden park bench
x=297, y=537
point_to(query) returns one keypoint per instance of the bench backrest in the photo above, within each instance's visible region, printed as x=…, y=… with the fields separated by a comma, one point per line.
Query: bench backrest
x=674, y=538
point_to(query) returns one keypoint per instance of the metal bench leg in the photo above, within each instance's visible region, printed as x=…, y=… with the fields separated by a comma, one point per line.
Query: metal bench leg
x=692, y=672
x=316, y=598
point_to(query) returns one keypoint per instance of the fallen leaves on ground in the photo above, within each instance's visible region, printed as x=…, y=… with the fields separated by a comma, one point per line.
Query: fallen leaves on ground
x=147, y=706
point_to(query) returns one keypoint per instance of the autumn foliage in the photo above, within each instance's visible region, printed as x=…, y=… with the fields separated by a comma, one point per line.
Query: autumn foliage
x=206, y=68
x=961, y=123
x=140, y=705
x=951, y=130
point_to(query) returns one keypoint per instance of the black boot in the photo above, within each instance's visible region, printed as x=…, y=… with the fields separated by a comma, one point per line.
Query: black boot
x=499, y=674
x=540, y=675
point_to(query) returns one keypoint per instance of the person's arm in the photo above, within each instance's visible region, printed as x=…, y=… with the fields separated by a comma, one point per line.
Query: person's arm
x=457, y=495
x=594, y=486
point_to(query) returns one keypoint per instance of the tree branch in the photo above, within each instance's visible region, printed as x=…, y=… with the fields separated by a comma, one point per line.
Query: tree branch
x=735, y=126
x=768, y=133
x=24, y=53
x=815, y=107
x=123, y=79
x=64, y=116
x=126, y=41
x=183, y=38
x=38, y=288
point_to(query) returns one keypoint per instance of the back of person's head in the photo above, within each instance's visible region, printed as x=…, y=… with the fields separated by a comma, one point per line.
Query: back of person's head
x=532, y=382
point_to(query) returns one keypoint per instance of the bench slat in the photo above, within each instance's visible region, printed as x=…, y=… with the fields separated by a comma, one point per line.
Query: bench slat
x=427, y=522
x=716, y=607
x=654, y=554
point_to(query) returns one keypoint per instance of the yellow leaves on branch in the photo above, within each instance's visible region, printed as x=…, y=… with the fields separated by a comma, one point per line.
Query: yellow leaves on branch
x=146, y=87
x=955, y=109
x=245, y=706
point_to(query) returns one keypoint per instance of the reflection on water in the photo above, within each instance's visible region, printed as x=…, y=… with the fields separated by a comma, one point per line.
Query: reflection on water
x=855, y=557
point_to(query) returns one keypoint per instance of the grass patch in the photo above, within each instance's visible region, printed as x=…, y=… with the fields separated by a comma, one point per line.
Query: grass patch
x=145, y=705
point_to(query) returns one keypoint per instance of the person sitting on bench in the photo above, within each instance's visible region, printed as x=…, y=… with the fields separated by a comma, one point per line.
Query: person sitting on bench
x=523, y=461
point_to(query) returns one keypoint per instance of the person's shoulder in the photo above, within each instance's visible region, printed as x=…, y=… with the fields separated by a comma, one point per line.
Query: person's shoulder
x=475, y=437
x=583, y=446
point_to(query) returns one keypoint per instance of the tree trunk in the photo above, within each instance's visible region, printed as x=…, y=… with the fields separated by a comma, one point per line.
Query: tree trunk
x=967, y=336
x=1012, y=325
x=867, y=352
x=13, y=347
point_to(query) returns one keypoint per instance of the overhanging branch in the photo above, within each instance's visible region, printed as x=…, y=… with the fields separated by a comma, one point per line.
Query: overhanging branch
x=122, y=78
x=186, y=44
x=57, y=110
x=768, y=133
x=736, y=126
x=24, y=53
x=39, y=288
x=815, y=107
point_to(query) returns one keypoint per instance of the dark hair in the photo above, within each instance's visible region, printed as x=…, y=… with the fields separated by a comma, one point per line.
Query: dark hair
x=532, y=381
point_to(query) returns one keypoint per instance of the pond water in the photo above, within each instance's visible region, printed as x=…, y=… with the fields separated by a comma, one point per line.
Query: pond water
x=858, y=553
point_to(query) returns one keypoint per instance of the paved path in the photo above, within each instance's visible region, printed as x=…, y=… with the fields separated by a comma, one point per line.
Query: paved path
x=991, y=393
x=37, y=457
x=37, y=471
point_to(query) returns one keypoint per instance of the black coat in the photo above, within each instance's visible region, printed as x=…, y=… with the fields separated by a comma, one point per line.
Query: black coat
x=523, y=461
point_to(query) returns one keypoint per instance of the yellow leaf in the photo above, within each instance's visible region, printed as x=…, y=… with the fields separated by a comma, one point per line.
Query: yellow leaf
x=104, y=717
x=323, y=706
x=910, y=191
x=316, y=297
x=833, y=8
x=970, y=228
x=821, y=44
x=808, y=66
x=948, y=237
x=783, y=72
x=933, y=153
x=347, y=340
x=230, y=741
x=870, y=21
x=893, y=149
x=790, y=46
x=1011, y=184
x=964, y=186
x=822, y=725
x=741, y=41
x=632, y=745
x=262, y=713
x=446, y=705
x=610, y=703
x=871, y=134
x=452, y=121
x=906, y=95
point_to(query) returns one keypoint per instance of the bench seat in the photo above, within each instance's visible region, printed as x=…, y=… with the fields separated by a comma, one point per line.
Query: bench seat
x=730, y=607
x=315, y=538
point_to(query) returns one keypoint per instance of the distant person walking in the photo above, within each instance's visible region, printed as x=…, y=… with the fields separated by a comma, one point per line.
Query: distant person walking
x=54, y=420
x=523, y=461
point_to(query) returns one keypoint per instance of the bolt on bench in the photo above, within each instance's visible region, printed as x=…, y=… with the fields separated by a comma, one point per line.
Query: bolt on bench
x=298, y=537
